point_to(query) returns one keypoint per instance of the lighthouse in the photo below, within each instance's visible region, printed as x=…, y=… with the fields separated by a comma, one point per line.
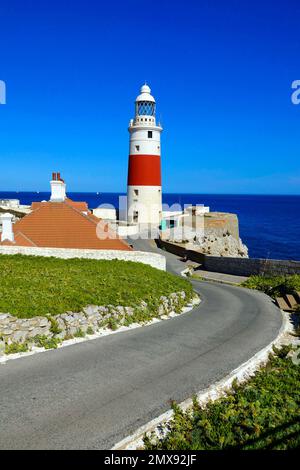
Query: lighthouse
x=144, y=198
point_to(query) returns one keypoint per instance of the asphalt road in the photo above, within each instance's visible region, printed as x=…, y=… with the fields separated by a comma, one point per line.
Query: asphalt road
x=93, y=394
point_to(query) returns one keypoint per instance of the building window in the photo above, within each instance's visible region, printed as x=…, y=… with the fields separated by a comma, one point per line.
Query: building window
x=149, y=134
x=137, y=148
x=136, y=192
x=135, y=216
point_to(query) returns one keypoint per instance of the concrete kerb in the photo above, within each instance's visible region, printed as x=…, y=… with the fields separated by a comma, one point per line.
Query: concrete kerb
x=215, y=391
x=218, y=281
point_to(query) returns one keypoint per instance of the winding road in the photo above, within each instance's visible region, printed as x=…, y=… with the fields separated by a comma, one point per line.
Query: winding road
x=93, y=394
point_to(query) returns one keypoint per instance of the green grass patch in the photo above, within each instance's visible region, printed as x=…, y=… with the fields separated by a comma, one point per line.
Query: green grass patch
x=275, y=286
x=31, y=285
x=263, y=413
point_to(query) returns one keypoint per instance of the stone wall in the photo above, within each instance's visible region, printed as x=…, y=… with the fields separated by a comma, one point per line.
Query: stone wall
x=153, y=259
x=178, y=250
x=251, y=266
x=91, y=318
x=236, y=266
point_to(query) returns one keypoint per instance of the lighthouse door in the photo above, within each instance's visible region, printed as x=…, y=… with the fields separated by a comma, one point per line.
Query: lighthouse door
x=135, y=216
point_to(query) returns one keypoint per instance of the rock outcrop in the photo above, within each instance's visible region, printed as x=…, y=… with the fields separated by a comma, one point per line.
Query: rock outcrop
x=221, y=245
x=213, y=233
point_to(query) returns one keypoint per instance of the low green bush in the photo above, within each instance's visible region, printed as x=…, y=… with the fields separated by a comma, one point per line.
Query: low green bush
x=275, y=286
x=14, y=348
x=31, y=285
x=54, y=328
x=90, y=330
x=43, y=341
x=112, y=324
x=263, y=413
x=79, y=333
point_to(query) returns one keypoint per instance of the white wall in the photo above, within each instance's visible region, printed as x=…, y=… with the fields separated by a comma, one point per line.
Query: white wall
x=105, y=213
x=153, y=259
x=58, y=191
x=126, y=230
x=148, y=203
x=148, y=146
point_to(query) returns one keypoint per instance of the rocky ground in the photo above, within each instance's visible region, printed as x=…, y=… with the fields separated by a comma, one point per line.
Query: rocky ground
x=221, y=245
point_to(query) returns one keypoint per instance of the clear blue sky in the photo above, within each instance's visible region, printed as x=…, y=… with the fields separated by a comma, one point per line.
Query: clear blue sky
x=221, y=72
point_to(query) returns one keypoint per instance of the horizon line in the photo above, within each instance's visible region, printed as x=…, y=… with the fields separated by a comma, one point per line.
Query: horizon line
x=166, y=193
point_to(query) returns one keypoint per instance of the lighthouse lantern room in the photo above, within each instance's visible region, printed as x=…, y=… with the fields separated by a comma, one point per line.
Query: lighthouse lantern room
x=144, y=198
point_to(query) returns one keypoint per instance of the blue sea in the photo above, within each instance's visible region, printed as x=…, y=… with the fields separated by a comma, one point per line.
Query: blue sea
x=269, y=225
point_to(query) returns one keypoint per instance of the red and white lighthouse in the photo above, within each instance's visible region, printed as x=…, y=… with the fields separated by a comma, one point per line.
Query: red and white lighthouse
x=144, y=198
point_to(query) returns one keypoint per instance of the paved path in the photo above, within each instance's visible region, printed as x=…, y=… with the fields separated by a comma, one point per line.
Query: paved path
x=219, y=277
x=93, y=394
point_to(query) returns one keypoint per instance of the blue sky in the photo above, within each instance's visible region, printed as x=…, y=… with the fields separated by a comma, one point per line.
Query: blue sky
x=221, y=73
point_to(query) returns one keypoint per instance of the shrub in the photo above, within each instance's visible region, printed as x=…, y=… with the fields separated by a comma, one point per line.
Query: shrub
x=275, y=286
x=79, y=333
x=54, y=328
x=43, y=341
x=262, y=413
x=112, y=324
x=16, y=348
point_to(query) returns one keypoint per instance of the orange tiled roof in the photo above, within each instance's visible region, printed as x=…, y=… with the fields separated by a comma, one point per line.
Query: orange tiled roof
x=81, y=206
x=65, y=224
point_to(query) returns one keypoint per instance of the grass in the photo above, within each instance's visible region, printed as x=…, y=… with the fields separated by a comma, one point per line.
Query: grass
x=275, y=286
x=31, y=286
x=263, y=413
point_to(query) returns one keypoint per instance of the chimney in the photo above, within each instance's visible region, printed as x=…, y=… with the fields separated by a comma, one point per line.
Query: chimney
x=58, y=188
x=7, y=228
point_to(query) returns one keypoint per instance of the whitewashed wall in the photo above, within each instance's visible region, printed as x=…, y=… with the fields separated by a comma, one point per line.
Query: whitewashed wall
x=126, y=230
x=153, y=259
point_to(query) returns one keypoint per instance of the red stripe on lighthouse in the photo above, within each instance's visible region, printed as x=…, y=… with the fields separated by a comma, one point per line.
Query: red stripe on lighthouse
x=144, y=170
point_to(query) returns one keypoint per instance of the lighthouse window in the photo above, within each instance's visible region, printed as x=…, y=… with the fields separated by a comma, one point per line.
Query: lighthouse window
x=137, y=148
x=149, y=134
x=136, y=192
x=146, y=108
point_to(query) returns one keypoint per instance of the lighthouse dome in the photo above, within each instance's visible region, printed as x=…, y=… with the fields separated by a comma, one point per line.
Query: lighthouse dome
x=145, y=89
x=145, y=94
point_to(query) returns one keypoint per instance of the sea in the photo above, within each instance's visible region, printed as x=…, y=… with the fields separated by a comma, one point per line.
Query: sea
x=269, y=225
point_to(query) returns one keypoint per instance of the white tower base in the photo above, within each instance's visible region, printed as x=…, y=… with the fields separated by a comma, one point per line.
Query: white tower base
x=144, y=205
